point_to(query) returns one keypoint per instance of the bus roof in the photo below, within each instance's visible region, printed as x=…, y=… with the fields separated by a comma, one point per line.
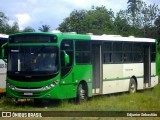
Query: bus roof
x=119, y=38
x=108, y=37
x=4, y=36
x=73, y=35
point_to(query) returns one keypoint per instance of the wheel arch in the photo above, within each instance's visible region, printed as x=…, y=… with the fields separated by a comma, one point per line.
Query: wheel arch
x=135, y=78
x=84, y=85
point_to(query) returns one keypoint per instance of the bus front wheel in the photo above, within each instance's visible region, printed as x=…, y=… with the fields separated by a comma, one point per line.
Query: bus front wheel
x=132, y=86
x=81, y=94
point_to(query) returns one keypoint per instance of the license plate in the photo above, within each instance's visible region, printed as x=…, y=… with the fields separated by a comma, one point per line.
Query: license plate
x=28, y=93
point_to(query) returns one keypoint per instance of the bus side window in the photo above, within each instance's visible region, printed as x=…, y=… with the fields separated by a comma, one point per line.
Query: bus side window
x=117, y=52
x=107, y=58
x=153, y=52
x=83, y=52
x=117, y=57
x=137, y=52
x=127, y=52
x=107, y=53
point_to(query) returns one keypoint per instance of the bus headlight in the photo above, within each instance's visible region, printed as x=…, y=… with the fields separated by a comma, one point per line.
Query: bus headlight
x=50, y=86
x=11, y=86
x=32, y=89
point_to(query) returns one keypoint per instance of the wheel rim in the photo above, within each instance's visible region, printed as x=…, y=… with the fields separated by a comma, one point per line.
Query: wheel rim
x=132, y=88
x=82, y=93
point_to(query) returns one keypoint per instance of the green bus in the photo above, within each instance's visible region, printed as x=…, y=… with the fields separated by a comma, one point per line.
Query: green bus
x=50, y=65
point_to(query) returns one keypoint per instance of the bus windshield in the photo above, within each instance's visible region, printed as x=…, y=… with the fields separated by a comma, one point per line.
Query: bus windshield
x=35, y=59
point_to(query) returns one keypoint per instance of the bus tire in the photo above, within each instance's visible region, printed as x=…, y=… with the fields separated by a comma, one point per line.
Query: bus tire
x=132, y=86
x=81, y=94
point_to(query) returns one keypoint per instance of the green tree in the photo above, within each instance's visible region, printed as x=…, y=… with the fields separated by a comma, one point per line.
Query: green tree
x=149, y=14
x=73, y=23
x=121, y=23
x=138, y=20
x=11, y=29
x=157, y=27
x=3, y=22
x=98, y=20
x=5, y=28
x=141, y=17
x=28, y=29
x=133, y=10
x=15, y=28
x=44, y=28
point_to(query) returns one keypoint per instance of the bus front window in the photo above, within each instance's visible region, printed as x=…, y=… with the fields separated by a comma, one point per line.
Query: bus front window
x=33, y=59
x=45, y=62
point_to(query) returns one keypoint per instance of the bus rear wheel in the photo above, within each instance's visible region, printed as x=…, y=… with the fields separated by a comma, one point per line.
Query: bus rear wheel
x=132, y=86
x=81, y=94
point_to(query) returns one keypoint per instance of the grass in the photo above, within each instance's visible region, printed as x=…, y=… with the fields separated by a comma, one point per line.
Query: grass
x=147, y=100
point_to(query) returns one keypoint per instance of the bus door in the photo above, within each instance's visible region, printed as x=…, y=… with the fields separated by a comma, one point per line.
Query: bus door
x=147, y=66
x=97, y=69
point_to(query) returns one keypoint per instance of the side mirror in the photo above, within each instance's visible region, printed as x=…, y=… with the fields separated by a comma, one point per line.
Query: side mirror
x=66, y=58
x=3, y=52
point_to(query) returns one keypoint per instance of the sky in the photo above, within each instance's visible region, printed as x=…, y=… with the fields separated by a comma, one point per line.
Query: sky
x=35, y=13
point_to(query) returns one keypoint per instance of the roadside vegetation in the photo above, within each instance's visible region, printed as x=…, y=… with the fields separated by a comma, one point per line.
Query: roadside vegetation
x=147, y=100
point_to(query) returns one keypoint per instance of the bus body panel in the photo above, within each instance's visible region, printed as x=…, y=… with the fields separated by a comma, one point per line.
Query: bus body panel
x=114, y=86
x=3, y=70
x=71, y=81
x=3, y=65
x=31, y=87
x=154, y=81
